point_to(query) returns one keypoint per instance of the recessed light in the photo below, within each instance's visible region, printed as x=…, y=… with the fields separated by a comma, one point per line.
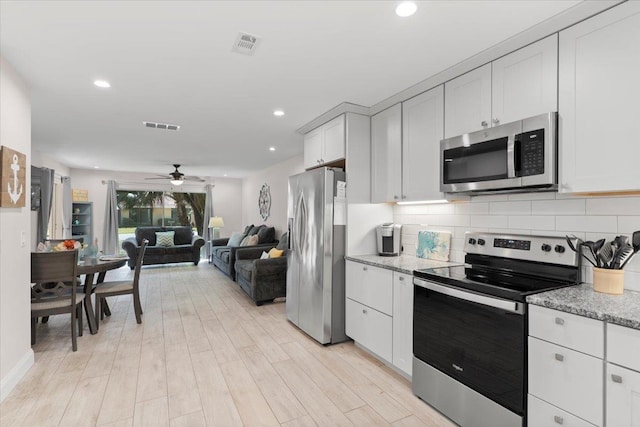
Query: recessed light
x=272, y=148
x=406, y=8
x=96, y=167
x=102, y=83
x=224, y=174
x=278, y=113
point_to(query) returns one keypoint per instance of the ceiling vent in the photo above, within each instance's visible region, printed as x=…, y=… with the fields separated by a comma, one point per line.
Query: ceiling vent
x=164, y=126
x=246, y=44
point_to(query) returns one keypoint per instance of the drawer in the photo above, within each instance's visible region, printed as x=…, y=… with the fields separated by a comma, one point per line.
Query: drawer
x=371, y=286
x=623, y=346
x=567, y=379
x=568, y=330
x=369, y=328
x=542, y=414
x=623, y=397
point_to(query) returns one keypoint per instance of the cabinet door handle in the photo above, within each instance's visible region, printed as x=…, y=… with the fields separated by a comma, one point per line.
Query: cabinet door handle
x=484, y=124
x=404, y=196
x=401, y=278
x=364, y=311
x=558, y=419
x=395, y=197
x=559, y=357
x=616, y=378
x=496, y=121
x=559, y=321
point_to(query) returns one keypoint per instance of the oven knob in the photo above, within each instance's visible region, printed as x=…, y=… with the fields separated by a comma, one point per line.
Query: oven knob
x=559, y=249
x=472, y=241
x=546, y=248
x=481, y=242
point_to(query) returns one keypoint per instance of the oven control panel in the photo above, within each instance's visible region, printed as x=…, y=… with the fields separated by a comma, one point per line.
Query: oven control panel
x=522, y=245
x=551, y=249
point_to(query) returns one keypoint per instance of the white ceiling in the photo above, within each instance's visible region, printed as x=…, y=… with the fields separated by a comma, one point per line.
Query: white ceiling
x=171, y=62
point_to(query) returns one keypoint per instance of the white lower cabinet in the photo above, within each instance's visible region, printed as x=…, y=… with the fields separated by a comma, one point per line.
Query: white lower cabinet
x=571, y=382
x=370, y=328
x=379, y=312
x=623, y=396
x=566, y=378
x=543, y=414
x=403, y=322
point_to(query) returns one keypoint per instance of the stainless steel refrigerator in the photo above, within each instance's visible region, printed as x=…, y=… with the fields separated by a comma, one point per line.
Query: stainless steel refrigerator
x=315, y=272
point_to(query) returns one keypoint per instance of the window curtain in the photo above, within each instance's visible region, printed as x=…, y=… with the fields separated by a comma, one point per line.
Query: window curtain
x=110, y=233
x=46, y=199
x=66, y=207
x=207, y=233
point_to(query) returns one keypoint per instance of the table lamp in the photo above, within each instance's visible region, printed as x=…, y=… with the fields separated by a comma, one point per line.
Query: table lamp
x=216, y=223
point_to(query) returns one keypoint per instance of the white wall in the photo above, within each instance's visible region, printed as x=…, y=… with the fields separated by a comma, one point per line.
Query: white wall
x=16, y=355
x=226, y=202
x=553, y=214
x=277, y=178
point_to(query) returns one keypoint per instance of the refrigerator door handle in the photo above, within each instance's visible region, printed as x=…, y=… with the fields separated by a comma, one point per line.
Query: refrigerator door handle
x=290, y=234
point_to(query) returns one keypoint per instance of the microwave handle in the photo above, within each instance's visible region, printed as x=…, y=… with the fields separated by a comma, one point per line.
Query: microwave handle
x=517, y=155
x=511, y=156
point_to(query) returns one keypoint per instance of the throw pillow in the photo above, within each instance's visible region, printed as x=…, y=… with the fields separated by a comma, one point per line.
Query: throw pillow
x=249, y=241
x=264, y=255
x=164, y=238
x=275, y=253
x=266, y=235
x=255, y=229
x=247, y=228
x=235, y=239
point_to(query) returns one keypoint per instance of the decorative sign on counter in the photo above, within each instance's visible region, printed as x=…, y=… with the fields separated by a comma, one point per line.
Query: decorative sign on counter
x=434, y=245
x=13, y=178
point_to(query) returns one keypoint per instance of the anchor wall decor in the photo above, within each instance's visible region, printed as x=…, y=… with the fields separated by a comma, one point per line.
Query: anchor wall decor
x=13, y=178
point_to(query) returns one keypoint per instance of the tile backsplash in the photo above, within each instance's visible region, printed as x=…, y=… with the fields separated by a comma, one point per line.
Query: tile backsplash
x=589, y=218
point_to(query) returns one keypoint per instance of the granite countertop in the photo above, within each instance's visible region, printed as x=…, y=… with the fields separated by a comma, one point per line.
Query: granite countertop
x=403, y=263
x=582, y=300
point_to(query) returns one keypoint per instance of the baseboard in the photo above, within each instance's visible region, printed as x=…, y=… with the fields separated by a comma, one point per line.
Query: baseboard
x=15, y=375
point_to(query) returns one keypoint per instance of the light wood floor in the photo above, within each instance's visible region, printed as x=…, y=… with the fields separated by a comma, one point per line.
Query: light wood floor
x=204, y=355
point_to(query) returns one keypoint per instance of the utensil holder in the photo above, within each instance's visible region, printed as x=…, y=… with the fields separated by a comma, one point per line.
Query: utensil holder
x=608, y=281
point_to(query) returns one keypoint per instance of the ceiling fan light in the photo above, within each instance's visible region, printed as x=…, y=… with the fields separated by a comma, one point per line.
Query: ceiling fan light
x=176, y=182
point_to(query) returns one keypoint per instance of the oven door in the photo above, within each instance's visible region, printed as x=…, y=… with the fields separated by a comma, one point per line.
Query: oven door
x=483, y=160
x=476, y=339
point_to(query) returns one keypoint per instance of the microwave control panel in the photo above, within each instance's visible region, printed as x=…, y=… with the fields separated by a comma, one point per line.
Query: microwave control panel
x=531, y=152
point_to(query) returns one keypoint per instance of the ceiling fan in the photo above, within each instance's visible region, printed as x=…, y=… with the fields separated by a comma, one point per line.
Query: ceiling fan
x=177, y=178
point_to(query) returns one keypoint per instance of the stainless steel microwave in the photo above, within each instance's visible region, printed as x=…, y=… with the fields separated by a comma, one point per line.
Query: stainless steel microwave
x=517, y=156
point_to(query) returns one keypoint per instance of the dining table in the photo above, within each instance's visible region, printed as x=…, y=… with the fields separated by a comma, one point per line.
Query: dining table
x=89, y=267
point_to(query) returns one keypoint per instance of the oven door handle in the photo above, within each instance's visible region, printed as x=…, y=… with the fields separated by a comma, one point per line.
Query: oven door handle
x=510, y=306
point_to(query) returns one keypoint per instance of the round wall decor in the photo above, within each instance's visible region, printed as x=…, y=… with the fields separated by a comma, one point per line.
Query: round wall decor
x=264, y=202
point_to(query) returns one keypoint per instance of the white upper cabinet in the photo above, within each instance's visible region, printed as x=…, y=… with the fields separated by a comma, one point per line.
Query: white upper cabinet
x=516, y=86
x=334, y=137
x=467, y=105
x=525, y=83
x=422, y=130
x=599, y=89
x=325, y=144
x=386, y=155
x=313, y=148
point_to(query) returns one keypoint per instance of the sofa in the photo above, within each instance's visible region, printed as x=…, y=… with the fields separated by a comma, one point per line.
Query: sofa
x=223, y=255
x=186, y=246
x=262, y=279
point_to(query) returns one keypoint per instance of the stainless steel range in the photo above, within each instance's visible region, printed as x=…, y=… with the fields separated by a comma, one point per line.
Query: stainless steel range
x=470, y=325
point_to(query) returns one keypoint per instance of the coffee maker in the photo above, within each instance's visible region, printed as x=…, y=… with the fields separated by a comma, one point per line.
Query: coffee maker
x=388, y=237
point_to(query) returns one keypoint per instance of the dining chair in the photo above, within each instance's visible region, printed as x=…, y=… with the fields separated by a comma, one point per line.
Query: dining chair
x=122, y=287
x=54, y=289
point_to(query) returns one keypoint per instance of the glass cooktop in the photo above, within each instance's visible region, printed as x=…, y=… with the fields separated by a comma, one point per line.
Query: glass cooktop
x=500, y=283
